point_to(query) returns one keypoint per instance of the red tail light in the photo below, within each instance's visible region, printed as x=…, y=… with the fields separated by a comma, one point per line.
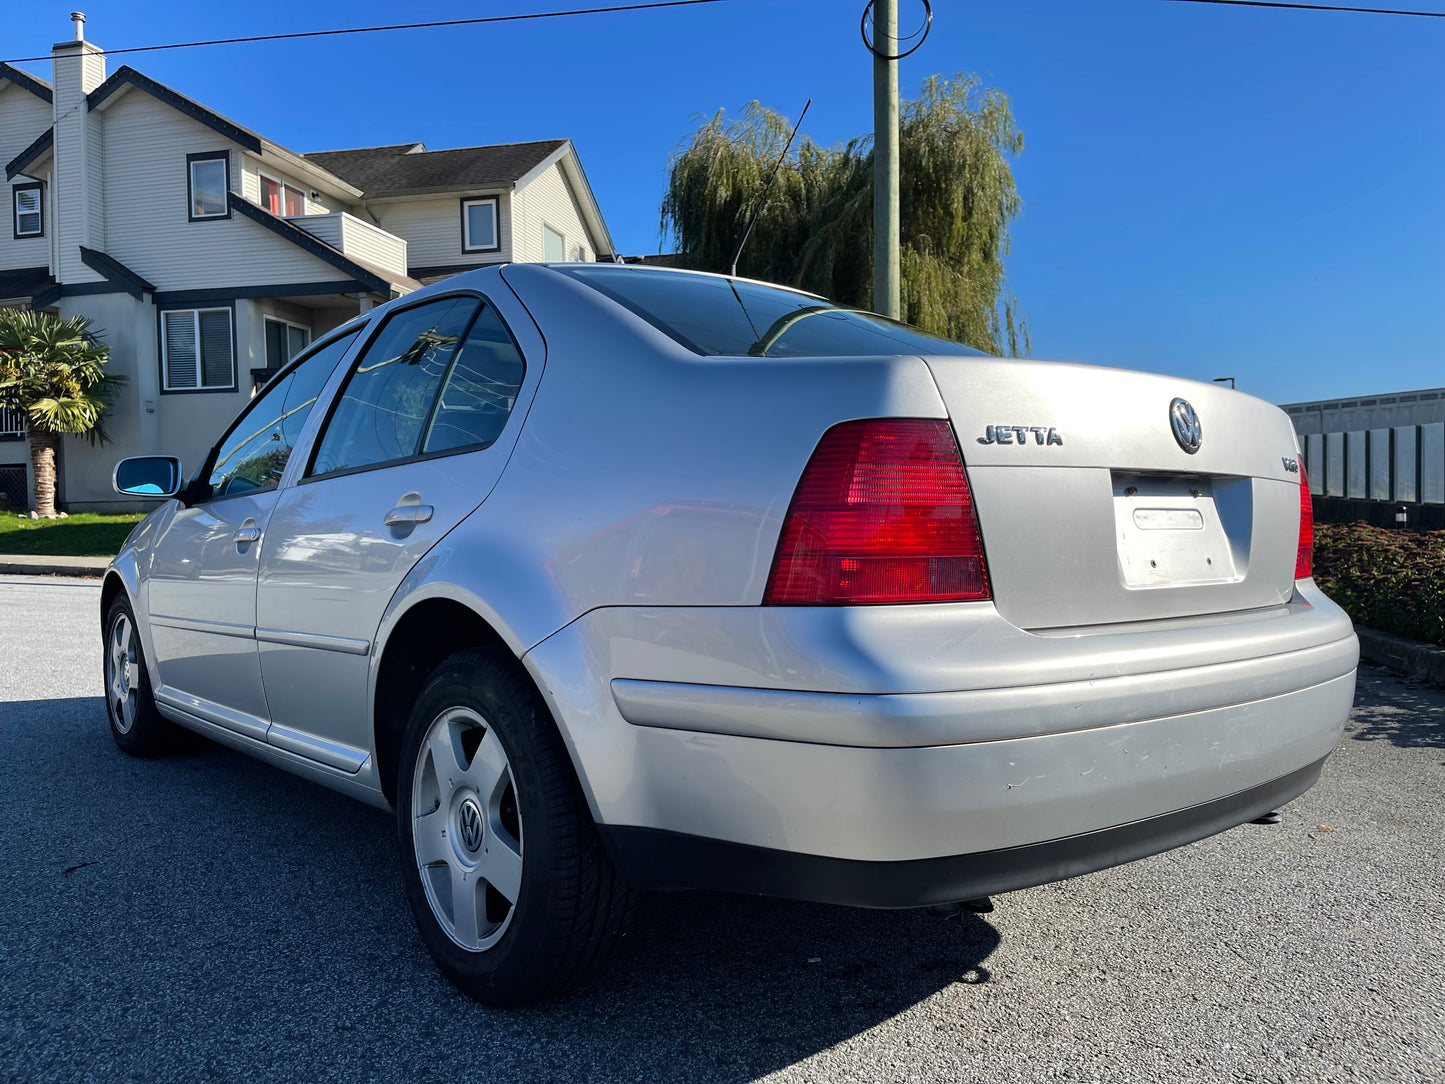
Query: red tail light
x=1304, y=562
x=883, y=514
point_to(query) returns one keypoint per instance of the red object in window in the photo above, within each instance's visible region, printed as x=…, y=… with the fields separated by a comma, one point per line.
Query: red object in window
x=271, y=195
x=1304, y=561
x=883, y=514
x=292, y=201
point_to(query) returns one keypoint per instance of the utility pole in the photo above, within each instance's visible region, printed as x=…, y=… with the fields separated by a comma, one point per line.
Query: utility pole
x=887, y=275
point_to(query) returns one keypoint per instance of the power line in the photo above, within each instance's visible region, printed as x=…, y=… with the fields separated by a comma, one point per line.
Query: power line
x=398, y=26
x=1314, y=7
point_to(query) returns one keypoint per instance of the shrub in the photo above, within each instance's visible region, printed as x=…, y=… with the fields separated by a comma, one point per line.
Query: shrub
x=1393, y=581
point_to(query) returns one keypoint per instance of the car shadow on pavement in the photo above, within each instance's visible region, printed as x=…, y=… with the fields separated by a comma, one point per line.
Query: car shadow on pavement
x=1408, y=714
x=203, y=914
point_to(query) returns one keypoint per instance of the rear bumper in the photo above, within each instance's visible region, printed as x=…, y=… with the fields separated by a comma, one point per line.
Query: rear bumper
x=918, y=734
x=657, y=859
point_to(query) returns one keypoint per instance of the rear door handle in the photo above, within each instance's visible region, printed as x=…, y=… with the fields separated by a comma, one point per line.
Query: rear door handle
x=408, y=513
x=247, y=534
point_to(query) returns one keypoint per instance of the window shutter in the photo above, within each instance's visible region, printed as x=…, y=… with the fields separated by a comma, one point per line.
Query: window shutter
x=216, y=348
x=180, y=334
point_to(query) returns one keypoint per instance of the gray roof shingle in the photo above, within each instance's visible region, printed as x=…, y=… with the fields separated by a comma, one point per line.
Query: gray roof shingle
x=402, y=169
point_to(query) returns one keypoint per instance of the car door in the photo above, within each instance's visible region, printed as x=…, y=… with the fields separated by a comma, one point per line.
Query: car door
x=201, y=589
x=416, y=439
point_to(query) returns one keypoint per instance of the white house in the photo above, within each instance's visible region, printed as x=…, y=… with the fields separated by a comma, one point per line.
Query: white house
x=207, y=255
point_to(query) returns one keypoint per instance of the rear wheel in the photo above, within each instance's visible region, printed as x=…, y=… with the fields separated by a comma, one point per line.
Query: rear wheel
x=135, y=724
x=506, y=877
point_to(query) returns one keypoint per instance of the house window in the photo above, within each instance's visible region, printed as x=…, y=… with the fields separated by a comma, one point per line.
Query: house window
x=554, y=245
x=479, y=225
x=284, y=341
x=196, y=353
x=209, y=182
x=280, y=198
x=29, y=210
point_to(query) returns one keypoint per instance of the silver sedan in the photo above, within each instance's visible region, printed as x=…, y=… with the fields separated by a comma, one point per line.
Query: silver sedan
x=610, y=577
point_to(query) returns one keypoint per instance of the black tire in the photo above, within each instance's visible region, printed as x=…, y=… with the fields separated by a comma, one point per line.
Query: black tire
x=135, y=725
x=571, y=908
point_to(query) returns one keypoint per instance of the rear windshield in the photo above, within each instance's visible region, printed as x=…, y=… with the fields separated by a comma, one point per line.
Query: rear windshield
x=712, y=315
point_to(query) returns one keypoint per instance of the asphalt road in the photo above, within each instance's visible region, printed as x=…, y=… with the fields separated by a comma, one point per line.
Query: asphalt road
x=203, y=917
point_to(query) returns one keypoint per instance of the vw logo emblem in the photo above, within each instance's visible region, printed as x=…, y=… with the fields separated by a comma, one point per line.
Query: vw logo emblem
x=469, y=825
x=1185, y=422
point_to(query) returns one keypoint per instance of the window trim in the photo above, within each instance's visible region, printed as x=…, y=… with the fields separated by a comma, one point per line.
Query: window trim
x=207, y=465
x=560, y=233
x=195, y=310
x=261, y=195
x=266, y=318
x=15, y=190
x=496, y=205
x=373, y=331
x=224, y=157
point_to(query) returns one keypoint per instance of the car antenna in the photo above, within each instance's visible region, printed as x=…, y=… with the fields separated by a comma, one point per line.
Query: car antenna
x=732, y=268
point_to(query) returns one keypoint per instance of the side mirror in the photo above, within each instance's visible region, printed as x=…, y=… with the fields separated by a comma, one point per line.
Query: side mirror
x=148, y=476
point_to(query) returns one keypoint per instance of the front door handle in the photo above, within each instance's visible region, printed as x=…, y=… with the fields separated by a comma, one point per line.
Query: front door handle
x=404, y=514
x=246, y=535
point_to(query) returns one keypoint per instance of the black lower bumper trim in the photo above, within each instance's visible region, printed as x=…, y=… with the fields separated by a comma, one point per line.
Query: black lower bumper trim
x=658, y=859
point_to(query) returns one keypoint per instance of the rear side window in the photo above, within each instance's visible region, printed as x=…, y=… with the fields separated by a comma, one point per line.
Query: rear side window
x=480, y=391
x=254, y=453
x=389, y=409
x=713, y=315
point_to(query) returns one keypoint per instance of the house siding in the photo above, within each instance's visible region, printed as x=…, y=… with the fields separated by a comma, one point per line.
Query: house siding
x=78, y=135
x=146, y=143
x=23, y=119
x=549, y=199
x=432, y=229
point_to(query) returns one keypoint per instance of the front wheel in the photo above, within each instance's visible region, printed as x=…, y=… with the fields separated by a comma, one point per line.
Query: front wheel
x=507, y=879
x=135, y=725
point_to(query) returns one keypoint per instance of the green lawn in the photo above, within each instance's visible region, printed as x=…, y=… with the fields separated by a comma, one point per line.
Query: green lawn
x=85, y=534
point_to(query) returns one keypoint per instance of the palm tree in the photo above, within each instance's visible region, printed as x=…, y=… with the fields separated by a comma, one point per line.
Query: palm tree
x=54, y=371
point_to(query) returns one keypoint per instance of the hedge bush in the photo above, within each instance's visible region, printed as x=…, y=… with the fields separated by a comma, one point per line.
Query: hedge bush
x=1393, y=581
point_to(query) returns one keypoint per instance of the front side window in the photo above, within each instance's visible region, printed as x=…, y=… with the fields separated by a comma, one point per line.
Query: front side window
x=29, y=210
x=254, y=454
x=388, y=396
x=280, y=198
x=284, y=341
x=713, y=315
x=479, y=225
x=209, y=182
x=196, y=352
x=554, y=245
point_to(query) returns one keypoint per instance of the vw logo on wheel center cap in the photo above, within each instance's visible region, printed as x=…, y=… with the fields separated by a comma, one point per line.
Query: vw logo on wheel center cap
x=469, y=825
x=1184, y=420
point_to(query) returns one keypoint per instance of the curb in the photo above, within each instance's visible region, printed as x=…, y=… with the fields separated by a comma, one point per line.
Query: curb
x=1409, y=657
x=16, y=564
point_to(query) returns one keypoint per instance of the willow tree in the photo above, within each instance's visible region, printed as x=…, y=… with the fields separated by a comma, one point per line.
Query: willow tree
x=53, y=370
x=815, y=229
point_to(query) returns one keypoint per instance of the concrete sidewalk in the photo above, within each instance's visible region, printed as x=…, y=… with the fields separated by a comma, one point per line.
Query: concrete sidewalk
x=24, y=564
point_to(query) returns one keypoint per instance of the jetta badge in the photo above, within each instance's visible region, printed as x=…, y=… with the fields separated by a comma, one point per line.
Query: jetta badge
x=1185, y=422
x=1019, y=434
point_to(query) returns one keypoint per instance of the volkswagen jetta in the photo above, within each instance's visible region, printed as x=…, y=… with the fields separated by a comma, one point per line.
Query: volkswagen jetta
x=610, y=577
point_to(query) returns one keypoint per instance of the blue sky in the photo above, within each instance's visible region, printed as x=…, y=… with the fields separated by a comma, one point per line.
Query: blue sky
x=1207, y=190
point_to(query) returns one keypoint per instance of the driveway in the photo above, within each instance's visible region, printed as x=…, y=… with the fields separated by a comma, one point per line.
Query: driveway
x=205, y=917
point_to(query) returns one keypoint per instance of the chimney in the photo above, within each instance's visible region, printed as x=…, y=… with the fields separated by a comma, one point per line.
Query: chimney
x=78, y=67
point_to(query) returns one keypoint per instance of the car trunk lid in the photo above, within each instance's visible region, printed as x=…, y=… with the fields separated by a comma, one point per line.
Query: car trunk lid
x=1093, y=511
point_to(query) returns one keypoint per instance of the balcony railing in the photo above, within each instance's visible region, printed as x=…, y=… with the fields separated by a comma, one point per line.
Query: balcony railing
x=12, y=424
x=357, y=239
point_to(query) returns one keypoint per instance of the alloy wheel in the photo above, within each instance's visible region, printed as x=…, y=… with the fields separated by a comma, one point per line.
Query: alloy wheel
x=122, y=662
x=466, y=828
